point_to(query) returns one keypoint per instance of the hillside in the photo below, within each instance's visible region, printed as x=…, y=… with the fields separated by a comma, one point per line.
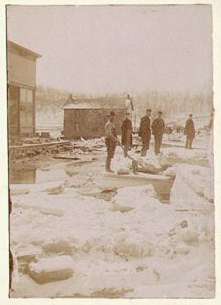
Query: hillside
x=50, y=102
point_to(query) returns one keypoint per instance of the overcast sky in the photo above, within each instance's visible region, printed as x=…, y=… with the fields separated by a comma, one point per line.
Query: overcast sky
x=117, y=49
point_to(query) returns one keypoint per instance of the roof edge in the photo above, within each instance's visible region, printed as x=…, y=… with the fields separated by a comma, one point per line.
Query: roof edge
x=16, y=46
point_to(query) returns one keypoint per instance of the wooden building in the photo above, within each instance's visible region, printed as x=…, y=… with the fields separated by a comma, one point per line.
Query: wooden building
x=21, y=68
x=87, y=117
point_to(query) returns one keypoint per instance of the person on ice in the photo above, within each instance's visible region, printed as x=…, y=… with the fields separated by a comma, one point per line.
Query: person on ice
x=126, y=134
x=111, y=140
x=189, y=131
x=145, y=132
x=158, y=128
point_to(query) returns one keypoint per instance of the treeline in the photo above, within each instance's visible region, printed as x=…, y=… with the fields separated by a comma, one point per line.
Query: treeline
x=50, y=99
x=175, y=103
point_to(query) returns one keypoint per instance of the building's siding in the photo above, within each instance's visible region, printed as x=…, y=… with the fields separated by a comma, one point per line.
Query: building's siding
x=13, y=110
x=21, y=111
x=21, y=87
x=26, y=111
x=89, y=123
x=21, y=70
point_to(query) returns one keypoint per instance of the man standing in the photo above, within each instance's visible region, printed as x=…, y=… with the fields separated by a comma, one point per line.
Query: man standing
x=158, y=127
x=145, y=132
x=126, y=135
x=110, y=140
x=189, y=131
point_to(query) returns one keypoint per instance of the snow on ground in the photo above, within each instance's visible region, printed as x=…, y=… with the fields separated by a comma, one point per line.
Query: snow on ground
x=69, y=239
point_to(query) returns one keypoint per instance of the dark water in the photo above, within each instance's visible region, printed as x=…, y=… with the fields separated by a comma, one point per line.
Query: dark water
x=24, y=176
x=36, y=175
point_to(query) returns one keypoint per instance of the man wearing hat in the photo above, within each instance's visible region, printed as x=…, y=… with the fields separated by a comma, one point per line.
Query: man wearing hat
x=158, y=127
x=145, y=132
x=126, y=134
x=110, y=140
x=189, y=131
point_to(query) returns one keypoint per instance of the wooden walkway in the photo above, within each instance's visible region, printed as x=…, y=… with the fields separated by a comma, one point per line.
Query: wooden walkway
x=28, y=150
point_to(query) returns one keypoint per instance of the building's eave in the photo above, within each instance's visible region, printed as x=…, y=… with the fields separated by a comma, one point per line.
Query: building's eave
x=21, y=85
x=14, y=46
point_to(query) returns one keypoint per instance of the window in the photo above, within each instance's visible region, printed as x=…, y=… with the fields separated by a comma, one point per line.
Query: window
x=13, y=110
x=26, y=111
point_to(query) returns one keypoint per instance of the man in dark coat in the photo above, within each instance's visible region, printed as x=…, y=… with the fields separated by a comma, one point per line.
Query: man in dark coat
x=126, y=134
x=158, y=127
x=145, y=132
x=189, y=131
x=111, y=140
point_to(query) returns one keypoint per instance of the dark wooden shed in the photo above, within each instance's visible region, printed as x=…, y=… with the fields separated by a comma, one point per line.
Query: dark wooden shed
x=86, y=118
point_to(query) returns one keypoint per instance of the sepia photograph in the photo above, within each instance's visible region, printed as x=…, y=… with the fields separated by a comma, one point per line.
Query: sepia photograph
x=110, y=151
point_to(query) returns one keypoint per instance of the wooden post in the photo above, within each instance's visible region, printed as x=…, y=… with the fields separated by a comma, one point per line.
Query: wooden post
x=34, y=110
x=19, y=124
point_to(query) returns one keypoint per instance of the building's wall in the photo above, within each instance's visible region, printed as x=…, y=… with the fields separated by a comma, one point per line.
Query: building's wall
x=21, y=88
x=21, y=70
x=27, y=110
x=21, y=111
x=13, y=110
x=89, y=123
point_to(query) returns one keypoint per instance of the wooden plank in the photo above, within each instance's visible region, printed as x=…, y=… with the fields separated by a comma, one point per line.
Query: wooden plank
x=138, y=176
x=39, y=145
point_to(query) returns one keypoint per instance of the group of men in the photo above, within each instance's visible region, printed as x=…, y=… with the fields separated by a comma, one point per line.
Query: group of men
x=146, y=129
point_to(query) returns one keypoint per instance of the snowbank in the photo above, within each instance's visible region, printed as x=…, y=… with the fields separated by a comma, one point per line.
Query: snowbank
x=193, y=182
x=136, y=197
x=67, y=231
x=192, y=196
x=149, y=164
x=175, y=155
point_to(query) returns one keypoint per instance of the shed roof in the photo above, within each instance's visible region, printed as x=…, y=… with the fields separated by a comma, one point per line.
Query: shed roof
x=99, y=103
x=12, y=46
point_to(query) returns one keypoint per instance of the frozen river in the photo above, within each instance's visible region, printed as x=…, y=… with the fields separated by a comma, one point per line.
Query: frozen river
x=78, y=232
